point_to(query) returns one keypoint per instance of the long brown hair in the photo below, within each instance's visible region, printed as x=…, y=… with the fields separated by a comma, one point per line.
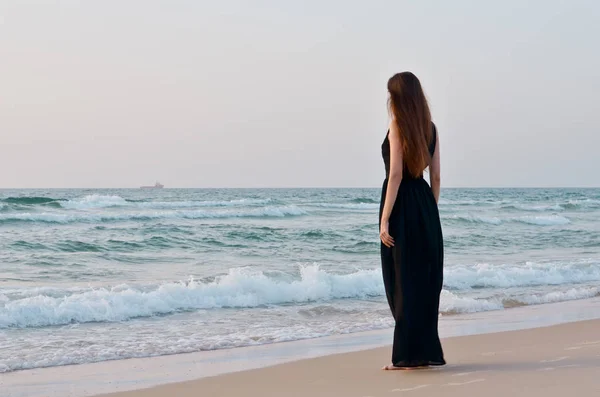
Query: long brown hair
x=409, y=107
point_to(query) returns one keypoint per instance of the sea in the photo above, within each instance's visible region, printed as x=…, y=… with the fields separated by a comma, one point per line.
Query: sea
x=89, y=275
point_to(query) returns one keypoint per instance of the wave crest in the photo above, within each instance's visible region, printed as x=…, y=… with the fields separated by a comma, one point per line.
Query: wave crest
x=240, y=288
x=54, y=217
x=102, y=201
x=94, y=201
x=544, y=220
x=534, y=207
x=465, y=277
x=248, y=288
x=537, y=220
x=490, y=220
x=349, y=206
x=31, y=200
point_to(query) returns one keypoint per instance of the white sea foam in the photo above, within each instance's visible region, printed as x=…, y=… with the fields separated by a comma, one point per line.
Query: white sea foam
x=537, y=220
x=583, y=203
x=452, y=303
x=490, y=220
x=544, y=220
x=464, y=277
x=538, y=207
x=94, y=201
x=128, y=340
x=103, y=201
x=59, y=217
x=349, y=206
x=445, y=201
x=195, y=204
x=241, y=288
x=560, y=296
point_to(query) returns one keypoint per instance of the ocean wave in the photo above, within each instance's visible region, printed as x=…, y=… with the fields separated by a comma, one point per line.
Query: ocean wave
x=543, y=220
x=153, y=338
x=451, y=303
x=527, y=206
x=561, y=296
x=364, y=200
x=113, y=245
x=490, y=220
x=102, y=201
x=32, y=200
x=360, y=247
x=445, y=201
x=248, y=288
x=348, y=206
x=192, y=204
x=94, y=201
x=55, y=217
x=28, y=246
x=534, y=207
x=240, y=288
x=537, y=220
x=465, y=277
x=582, y=203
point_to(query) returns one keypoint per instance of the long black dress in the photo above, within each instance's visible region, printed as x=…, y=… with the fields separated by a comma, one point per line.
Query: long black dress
x=413, y=268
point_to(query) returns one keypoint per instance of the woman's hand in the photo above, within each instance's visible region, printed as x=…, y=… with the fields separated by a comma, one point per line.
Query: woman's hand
x=384, y=234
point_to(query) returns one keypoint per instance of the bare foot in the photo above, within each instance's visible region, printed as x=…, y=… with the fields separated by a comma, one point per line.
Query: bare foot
x=394, y=368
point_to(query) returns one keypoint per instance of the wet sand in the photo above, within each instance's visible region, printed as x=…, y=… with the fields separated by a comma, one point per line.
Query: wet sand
x=548, y=361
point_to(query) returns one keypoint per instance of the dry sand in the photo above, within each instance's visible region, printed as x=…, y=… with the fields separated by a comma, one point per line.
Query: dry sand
x=560, y=360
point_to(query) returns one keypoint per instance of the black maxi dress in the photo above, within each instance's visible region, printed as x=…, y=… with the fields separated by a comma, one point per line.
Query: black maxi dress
x=413, y=268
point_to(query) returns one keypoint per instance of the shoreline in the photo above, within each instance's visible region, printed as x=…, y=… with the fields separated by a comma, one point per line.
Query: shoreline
x=141, y=373
x=547, y=361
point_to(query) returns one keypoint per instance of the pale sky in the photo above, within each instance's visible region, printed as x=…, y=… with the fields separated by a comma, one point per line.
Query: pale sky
x=288, y=93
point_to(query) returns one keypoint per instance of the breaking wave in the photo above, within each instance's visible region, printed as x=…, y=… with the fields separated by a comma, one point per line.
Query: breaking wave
x=247, y=288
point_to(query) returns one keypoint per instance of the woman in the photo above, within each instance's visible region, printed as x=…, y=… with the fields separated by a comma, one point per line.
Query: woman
x=412, y=251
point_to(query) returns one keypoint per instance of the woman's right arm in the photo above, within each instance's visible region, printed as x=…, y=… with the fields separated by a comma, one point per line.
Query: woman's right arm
x=434, y=170
x=393, y=184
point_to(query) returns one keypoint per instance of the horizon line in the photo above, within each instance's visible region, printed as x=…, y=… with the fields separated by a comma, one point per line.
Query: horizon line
x=292, y=187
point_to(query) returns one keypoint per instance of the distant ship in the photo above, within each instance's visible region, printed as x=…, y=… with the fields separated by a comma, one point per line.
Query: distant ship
x=157, y=185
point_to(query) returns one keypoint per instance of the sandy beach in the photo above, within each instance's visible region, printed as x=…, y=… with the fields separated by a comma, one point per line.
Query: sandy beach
x=547, y=361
